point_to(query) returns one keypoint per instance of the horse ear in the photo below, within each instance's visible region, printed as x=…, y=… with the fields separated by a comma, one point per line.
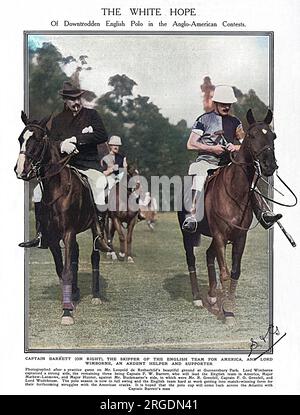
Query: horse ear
x=250, y=117
x=24, y=117
x=269, y=117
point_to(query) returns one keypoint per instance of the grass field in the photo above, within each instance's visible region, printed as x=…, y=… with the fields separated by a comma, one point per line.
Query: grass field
x=148, y=304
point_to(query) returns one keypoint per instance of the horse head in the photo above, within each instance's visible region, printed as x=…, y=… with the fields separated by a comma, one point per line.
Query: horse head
x=261, y=142
x=133, y=177
x=32, y=147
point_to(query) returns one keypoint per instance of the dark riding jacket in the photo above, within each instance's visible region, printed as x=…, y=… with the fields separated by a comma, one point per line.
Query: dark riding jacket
x=66, y=125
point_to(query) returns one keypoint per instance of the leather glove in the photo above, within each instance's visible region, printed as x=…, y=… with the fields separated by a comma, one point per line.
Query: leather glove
x=68, y=146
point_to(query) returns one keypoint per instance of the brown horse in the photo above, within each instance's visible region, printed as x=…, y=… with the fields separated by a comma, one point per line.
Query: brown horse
x=228, y=213
x=69, y=206
x=123, y=210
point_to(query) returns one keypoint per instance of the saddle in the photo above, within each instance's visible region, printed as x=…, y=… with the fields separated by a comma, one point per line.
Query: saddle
x=84, y=181
x=81, y=177
x=211, y=175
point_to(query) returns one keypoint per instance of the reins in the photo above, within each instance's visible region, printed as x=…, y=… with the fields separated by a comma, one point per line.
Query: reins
x=255, y=163
x=275, y=201
x=37, y=165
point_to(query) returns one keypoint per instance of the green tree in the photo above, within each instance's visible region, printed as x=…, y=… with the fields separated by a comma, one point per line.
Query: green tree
x=247, y=101
x=45, y=80
x=150, y=140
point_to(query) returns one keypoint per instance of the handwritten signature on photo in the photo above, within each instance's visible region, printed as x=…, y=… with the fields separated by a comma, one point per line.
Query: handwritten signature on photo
x=272, y=330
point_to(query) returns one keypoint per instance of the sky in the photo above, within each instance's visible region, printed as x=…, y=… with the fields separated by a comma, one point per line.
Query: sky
x=169, y=69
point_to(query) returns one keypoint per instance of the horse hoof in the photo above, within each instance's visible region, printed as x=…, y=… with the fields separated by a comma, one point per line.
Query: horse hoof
x=114, y=256
x=211, y=300
x=198, y=303
x=67, y=321
x=96, y=301
x=108, y=254
x=130, y=260
x=230, y=321
x=121, y=256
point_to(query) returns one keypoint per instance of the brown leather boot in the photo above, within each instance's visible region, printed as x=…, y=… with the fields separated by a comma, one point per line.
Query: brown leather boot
x=100, y=243
x=39, y=241
x=262, y=212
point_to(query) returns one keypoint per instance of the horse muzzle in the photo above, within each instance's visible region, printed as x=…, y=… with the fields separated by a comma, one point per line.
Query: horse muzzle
x=26, y=176
x=269, y=170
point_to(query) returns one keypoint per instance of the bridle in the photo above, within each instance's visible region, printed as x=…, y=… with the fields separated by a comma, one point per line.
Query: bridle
x=254, y=155
x=36, y=161
x=258, y=174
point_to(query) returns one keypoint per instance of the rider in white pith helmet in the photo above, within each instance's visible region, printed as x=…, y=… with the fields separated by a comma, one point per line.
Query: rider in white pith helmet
x=214, y=135
x=113, y=163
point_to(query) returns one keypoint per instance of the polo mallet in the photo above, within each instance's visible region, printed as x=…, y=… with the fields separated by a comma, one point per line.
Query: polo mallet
x=288, y=236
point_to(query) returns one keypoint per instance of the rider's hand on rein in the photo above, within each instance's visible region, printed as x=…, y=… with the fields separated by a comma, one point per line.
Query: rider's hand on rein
x=68, y=146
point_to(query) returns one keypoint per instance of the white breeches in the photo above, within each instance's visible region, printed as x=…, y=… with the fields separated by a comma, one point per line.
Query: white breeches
x=199, y=171
x=97, y=181
x=113, y=178
x=37, y=194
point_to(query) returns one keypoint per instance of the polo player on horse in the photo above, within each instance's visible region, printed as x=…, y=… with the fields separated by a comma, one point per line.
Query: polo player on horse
x=214, y=135
x=79, y=130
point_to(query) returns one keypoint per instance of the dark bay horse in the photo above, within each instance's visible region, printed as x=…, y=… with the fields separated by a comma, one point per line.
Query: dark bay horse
x=123, y=210
x=228, y=213
x=69, y=204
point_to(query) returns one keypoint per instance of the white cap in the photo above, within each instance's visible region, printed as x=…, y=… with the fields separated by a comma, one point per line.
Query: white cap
x=115, y=140
x=224, y=94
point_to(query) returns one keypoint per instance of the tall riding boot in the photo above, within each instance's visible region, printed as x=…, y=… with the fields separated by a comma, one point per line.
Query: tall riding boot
x=100, y=243
x=39, y=241
x=190, y=223
x=262, y=211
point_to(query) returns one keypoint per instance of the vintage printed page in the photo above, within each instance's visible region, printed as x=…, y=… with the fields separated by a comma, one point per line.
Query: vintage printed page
x=158, y=317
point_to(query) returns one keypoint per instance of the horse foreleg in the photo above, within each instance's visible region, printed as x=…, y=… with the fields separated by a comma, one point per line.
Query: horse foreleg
x=67, y=277
x=110, y=231
x=74, y=261
x=129, y=239
x=191, y=263
x=95, y=260
x=57, y=256
x=237, y=252
x=227, y=305
x=119, y=229
x=210, y=262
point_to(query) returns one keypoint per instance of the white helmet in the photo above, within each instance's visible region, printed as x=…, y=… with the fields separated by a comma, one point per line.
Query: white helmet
x=115, y=140
x=224, y=94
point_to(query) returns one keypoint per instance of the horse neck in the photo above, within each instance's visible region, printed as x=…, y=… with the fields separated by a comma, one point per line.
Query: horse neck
x=242, y=170
x=244, y=167
x=52, y=160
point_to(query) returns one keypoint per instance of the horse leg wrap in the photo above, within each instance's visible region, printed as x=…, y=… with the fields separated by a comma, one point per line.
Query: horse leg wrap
x=227, y=303
x=232, y=288
x=67, y=297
